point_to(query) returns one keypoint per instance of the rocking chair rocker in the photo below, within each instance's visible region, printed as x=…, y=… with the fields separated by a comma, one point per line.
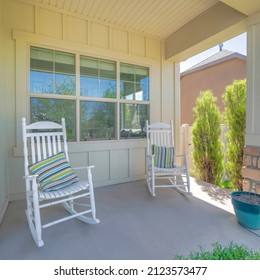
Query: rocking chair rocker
x=48, y=176
x=162, y=170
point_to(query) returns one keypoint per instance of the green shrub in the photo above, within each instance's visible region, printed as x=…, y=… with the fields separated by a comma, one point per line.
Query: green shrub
x=206, y=130
x=231, y=252
x=235, y=120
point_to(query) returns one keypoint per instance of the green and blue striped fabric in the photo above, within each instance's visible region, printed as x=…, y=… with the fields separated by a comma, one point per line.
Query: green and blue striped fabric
x=163, y=156
x=54, y=173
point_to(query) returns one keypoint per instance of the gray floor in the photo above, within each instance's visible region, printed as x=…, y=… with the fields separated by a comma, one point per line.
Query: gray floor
x=133, y=226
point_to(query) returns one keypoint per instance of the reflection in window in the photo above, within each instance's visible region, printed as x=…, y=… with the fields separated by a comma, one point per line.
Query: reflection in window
x=134, y=82
x=52, y=72
x=48, y=109
x=97, y=120
x=97, y=77
x=104, y=96
x=132, y=120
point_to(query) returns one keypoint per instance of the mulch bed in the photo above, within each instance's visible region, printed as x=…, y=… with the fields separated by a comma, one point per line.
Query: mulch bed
x=251, y=199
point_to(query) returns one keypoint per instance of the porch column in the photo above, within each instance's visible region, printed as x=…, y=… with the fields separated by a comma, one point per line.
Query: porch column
x=170, y=97
x=251, y=169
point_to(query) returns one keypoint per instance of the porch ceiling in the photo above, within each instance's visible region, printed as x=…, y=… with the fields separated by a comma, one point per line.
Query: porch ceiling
x=158, y=18
x=188, y=27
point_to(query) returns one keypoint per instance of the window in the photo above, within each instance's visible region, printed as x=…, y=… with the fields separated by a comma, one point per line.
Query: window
x=52, y=72
x=104, y=106
x=97, y=77
x=53, y=110
x=97, y=120
x=134, y=82
x=132, y=120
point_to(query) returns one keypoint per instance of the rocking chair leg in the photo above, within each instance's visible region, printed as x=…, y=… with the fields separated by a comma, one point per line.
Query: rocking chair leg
x=92, y=199
x=34, y=220
x=153, y=183
x=82, y=215
x=188, y=183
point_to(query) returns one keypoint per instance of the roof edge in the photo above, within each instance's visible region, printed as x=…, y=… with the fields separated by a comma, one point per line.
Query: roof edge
x=231, y=56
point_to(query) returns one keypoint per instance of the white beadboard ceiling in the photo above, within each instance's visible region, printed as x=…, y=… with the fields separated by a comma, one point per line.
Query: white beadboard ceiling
x=157, y=18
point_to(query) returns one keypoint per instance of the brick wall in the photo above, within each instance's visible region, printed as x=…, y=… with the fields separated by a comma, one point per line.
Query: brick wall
x=251, y=169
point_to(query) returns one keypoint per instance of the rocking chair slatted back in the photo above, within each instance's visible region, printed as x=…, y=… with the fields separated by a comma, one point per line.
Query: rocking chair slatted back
x=45, y=139
x=159, y=134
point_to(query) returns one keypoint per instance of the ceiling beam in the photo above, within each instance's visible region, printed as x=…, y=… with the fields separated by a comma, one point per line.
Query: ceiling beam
x=213, y=21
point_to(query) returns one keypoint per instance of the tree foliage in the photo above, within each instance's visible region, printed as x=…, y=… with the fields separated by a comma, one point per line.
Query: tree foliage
x=208, y=154
x=235, y=120
x=53, y=109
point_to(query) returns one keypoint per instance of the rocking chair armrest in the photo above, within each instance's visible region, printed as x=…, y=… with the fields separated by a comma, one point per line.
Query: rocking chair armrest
x=31, y=177
x=150, y=156
x=186, y=158
x=184, y=155
x=83, y=167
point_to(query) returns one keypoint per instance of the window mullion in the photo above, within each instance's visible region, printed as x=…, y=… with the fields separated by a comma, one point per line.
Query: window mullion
x=118, y=101
x=77, y=97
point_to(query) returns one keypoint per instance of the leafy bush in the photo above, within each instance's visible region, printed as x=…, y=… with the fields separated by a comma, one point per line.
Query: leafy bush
x=208, y=154
x=231, y=252
x=235, y=120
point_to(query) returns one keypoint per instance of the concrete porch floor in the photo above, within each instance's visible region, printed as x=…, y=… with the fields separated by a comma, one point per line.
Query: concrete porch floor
x=133, y=226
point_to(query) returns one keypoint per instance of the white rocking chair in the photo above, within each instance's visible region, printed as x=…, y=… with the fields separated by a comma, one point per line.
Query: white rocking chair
x=46, y=142
x=162, y=169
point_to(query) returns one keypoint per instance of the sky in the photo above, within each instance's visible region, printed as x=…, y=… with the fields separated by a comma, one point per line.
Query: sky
x=236, y=44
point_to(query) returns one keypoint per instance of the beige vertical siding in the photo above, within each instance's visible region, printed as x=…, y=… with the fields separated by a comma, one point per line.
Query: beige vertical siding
x=115, y=161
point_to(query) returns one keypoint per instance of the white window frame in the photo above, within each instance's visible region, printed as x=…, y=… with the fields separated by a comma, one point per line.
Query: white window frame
x=77, y=97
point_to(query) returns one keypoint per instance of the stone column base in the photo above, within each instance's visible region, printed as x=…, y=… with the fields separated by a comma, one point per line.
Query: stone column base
x=251, y=169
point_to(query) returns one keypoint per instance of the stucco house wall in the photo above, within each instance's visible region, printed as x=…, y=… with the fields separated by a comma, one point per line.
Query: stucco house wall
x=215, y=77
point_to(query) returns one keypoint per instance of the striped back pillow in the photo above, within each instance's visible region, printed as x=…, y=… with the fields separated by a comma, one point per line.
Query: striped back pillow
x=54, y=173
x=163, y=156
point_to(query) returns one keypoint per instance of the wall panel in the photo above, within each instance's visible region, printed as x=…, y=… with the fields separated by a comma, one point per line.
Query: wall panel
x=50, y=23
x=137, y=156
x=137, y=45
x=22, y=23
x=100, y=159
x=119, y=164
x=153, y=48
x=78, y=25
x=99, y=35
x=119, y=40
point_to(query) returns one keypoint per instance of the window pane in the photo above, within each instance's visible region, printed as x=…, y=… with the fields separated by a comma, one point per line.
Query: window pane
x=88, y=67
x=94, y=87
x=107, y=69
x=97, y=77
x=132, y=120
x=46, y=109
x=97, y=120
x=134, y=82
x=127, y=90
x=127, y=72
x=41, y=82
x=52, y=72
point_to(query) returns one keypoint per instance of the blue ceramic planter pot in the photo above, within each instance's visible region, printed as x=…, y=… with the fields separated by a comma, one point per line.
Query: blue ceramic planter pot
x=247, y=214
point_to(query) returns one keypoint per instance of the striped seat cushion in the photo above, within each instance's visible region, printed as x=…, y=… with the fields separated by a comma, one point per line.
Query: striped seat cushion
x=163, y=156
x=54, y=173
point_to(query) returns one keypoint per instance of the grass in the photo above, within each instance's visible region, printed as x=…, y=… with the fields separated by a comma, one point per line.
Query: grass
x=230, y=252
